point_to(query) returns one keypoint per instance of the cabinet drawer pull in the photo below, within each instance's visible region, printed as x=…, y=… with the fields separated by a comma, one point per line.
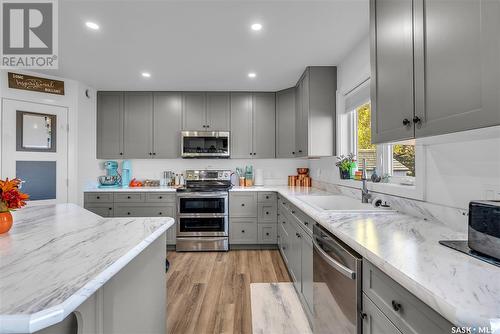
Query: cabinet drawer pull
x=160, y=197
x=160, y=213
x=362, y=315
x=110, y=208
x=293, y=211
x=242, y=204
x=396, y=306
x=242, y=231
x=128, y=197
x=128, y=213
x=306, y=223
x=267, y=197
x=98, y=197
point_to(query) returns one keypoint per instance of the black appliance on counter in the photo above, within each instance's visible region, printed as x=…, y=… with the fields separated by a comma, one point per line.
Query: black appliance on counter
x=202, y=211
x=483, y=234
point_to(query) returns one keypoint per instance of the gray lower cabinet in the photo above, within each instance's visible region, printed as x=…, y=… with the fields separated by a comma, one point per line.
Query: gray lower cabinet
x=405, y=311
x=243, y=204
x=243, y=231
x=138, y=125
x=374, y=321
x=134, y=204
x=167, y=122
x=101, y=209
x=434, y=67
x=285, y=123
x=109, y=125
x=307, y=269
x=253, y=218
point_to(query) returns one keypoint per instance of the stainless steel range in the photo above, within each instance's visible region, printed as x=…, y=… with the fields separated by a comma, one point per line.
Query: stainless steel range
x=202, y=211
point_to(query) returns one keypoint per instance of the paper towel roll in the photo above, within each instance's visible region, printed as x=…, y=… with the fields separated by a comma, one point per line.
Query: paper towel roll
x=259, y=177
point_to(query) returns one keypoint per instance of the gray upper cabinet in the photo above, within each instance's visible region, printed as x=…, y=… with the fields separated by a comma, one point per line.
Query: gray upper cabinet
x=434, y=67
x=253, y=122
x=285, y=123
x=194, y=111
x=218, y=111
x=109, y=125
x=167, y=121
x=391, y=70
x=457, y=76
x=138, y=125
x=241, y=125
x=264, y=125
x=315, y=112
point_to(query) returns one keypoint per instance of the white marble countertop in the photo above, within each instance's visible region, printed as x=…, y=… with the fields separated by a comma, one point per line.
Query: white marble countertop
x=131, y=189
x=57, y=256
x=464, y=290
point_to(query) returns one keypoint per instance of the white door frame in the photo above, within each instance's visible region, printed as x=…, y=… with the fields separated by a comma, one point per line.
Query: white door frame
x=60, y=127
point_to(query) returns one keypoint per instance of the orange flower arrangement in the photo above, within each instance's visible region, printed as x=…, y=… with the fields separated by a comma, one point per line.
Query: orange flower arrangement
x=11, y=197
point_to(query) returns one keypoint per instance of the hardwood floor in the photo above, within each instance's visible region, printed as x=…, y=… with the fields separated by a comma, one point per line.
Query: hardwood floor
x=210, y=292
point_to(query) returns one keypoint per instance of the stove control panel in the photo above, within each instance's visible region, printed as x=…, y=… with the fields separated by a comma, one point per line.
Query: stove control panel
x=208, y=175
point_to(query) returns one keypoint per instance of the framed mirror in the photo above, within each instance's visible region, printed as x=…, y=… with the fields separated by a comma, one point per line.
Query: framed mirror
x=35, y=132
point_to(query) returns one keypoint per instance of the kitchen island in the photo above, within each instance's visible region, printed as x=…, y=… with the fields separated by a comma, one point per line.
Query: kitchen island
x=64, y=269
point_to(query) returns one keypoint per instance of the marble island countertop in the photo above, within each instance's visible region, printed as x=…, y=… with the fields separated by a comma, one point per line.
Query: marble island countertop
x=57, y=256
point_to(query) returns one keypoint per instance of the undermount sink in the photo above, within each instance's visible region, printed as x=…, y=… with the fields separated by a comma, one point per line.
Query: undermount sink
x=340, y=203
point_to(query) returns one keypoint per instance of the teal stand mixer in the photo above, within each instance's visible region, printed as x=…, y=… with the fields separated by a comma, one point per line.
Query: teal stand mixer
x=112, y=179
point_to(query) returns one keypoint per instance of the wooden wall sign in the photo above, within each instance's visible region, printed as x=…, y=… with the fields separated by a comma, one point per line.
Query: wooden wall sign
x=36, y=84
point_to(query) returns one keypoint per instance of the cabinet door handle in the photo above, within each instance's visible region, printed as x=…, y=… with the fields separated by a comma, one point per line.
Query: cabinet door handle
x=98, y=197
x=160, y=197
x=242, y=231
x=154, y=153
x=406, y=122
x=267, y=212
x=306, y=223
x=293, y=153
x=121, y=153
x=110, y=208
x=298, y=235
x=283, y=222
x=267, y=197
x=396, y=306
x=242, y=204
x=293, y=211
x=362, y=315
x=128, y=213
x=416, y=120
x=300, y=151
x=267, y=233
x=128, y=197
x=208, y=126
x=160, y=213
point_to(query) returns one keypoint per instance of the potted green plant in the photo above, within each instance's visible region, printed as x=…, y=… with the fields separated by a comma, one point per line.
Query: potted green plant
x=345, y=163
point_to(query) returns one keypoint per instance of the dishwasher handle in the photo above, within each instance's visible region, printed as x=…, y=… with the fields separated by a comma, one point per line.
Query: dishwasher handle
x=335, y=264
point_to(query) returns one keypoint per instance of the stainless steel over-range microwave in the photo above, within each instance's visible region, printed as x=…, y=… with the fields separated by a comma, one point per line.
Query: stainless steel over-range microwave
x=205, y=144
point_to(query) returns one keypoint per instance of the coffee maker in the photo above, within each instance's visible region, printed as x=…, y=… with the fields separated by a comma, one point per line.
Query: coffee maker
x=112, y=179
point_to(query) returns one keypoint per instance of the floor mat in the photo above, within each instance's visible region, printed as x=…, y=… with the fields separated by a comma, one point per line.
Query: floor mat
x=276, y=309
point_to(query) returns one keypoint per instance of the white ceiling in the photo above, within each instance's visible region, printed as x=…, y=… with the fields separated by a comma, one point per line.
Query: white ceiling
x=204, y=45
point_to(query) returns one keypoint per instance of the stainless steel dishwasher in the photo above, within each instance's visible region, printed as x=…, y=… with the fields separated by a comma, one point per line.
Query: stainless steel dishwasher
x=337, y=285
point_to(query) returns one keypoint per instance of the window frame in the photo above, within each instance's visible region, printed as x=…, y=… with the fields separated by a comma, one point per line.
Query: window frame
x=347, y=123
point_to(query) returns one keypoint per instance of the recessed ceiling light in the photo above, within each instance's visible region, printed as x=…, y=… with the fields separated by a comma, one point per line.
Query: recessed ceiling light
x=92, y=25
x=146, y=74
x=256, y=26
x=252, y=75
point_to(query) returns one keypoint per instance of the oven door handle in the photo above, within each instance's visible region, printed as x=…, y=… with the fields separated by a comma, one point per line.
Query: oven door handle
x=336, y=265
x=220, y=194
